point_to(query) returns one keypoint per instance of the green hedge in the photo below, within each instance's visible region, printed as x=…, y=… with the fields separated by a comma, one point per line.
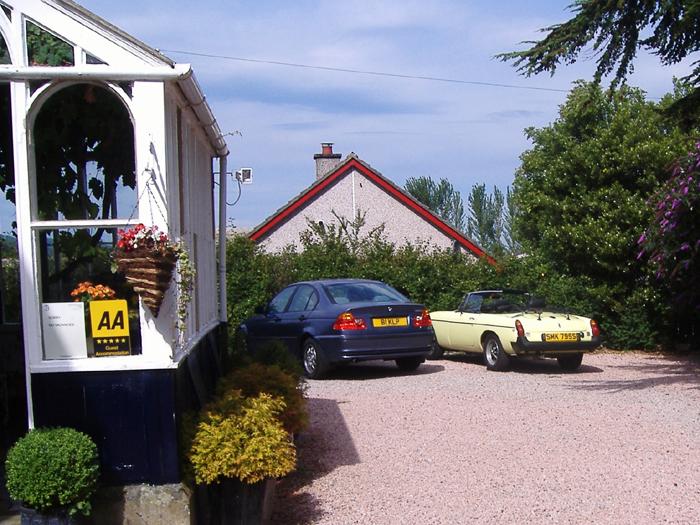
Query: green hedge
x=439, y=279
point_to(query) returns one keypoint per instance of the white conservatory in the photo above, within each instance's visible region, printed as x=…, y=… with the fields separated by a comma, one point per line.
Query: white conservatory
x=101, y=133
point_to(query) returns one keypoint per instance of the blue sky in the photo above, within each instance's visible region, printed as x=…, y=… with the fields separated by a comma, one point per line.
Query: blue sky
x=404, y=128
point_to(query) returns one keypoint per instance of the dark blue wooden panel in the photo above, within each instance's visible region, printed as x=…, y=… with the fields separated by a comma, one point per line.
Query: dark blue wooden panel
x=133, y=416
x=129, y=414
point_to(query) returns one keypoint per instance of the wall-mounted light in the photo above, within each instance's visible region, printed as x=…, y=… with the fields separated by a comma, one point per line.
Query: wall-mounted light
x=244, y=175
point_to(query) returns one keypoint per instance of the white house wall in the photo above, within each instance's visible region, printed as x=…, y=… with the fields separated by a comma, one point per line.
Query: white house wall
x=196, y=208
x=355, y=192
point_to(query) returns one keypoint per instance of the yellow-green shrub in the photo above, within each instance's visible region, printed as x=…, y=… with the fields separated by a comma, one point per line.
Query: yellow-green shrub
x=258, y=378
x=242, y=438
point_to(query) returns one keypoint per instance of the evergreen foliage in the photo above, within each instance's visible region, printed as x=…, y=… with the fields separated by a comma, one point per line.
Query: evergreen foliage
x=581, y=194
x=53, y=470
x=486, y=215
x=257, y=378
x=243, y=438
x=581, y=191
x=616, y=31
x=46, y=49
x=441, y=198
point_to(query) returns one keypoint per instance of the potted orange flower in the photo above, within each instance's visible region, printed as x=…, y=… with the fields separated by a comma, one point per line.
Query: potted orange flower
x=86, y=292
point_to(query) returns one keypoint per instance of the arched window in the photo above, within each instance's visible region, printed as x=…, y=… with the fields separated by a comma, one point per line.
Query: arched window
x=85, y=187
x=84, y=151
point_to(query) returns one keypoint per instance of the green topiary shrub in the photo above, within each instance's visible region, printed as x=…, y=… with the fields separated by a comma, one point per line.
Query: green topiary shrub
x=258, y=378
x=241, y=438
x=53, y=470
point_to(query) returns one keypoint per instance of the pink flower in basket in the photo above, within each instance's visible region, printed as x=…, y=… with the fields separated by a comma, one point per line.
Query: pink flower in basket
x=147, y=258
x=141, y=237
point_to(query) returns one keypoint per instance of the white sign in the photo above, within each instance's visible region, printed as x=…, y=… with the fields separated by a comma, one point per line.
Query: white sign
x=64, y=330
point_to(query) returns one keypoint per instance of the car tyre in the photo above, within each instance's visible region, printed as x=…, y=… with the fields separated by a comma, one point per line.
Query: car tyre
x=495, y=356
x=313, y=360
x=436, y=351
x=570, y=362
x=408, y=364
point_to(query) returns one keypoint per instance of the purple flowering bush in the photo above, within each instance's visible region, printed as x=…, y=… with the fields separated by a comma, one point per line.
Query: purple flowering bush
x=672, y=241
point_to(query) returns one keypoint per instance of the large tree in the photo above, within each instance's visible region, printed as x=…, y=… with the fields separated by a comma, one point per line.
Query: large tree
x=582, y=195
x=616, y=31
x=582, y=190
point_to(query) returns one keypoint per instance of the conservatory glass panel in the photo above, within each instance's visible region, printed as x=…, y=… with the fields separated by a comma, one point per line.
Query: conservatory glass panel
x=84, y=143
x=46, y=49
x=76, y=281
x=4, y=52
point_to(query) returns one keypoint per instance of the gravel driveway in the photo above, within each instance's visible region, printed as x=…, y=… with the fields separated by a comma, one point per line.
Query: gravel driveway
x=617, y=442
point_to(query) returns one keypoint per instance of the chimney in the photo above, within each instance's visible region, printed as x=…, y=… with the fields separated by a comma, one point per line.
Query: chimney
x=326, y=160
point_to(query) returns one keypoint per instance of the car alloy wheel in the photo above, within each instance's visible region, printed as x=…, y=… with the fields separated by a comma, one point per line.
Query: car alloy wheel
x=494, y=355
x=314, y=363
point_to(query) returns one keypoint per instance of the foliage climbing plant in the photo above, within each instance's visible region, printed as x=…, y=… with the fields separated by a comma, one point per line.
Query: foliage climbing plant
x=671, y=243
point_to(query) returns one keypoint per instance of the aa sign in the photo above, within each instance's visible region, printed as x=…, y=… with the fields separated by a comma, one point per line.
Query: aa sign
x=109, y=323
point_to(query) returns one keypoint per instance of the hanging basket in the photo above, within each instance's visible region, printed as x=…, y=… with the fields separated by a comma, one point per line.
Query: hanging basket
x=149, y=272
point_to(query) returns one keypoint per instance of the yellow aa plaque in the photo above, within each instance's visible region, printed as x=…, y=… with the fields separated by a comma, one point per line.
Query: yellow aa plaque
x=109, y=324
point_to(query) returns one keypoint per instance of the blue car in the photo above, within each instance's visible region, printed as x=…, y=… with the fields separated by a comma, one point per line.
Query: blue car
x=336, y=321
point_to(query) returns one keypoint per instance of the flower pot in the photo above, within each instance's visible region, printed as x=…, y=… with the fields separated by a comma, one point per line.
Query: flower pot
x=149, y=272
x=232, y=502
x=34, y=517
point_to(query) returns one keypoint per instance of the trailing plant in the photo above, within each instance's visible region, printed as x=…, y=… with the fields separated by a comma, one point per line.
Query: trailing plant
x=53, y=470
x=257, y=378
x=243, y=438
x=186, y=275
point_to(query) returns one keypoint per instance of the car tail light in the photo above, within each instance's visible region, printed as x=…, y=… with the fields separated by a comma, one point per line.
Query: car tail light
x=347, y=321
x=423, y=320
x=519, y=328
x=595, y=329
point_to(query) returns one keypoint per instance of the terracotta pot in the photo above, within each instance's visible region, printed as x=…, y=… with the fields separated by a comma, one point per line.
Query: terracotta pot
x=149, y=272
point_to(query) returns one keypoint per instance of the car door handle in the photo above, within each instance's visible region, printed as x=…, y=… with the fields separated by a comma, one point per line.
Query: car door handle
x=471, y=318
x=302, y=318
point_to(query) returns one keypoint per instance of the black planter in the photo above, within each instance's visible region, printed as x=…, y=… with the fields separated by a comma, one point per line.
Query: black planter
x=34, y=517
x=232, y=502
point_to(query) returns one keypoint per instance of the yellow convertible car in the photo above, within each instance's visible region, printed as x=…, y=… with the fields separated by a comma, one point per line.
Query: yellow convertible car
x=503, y=323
